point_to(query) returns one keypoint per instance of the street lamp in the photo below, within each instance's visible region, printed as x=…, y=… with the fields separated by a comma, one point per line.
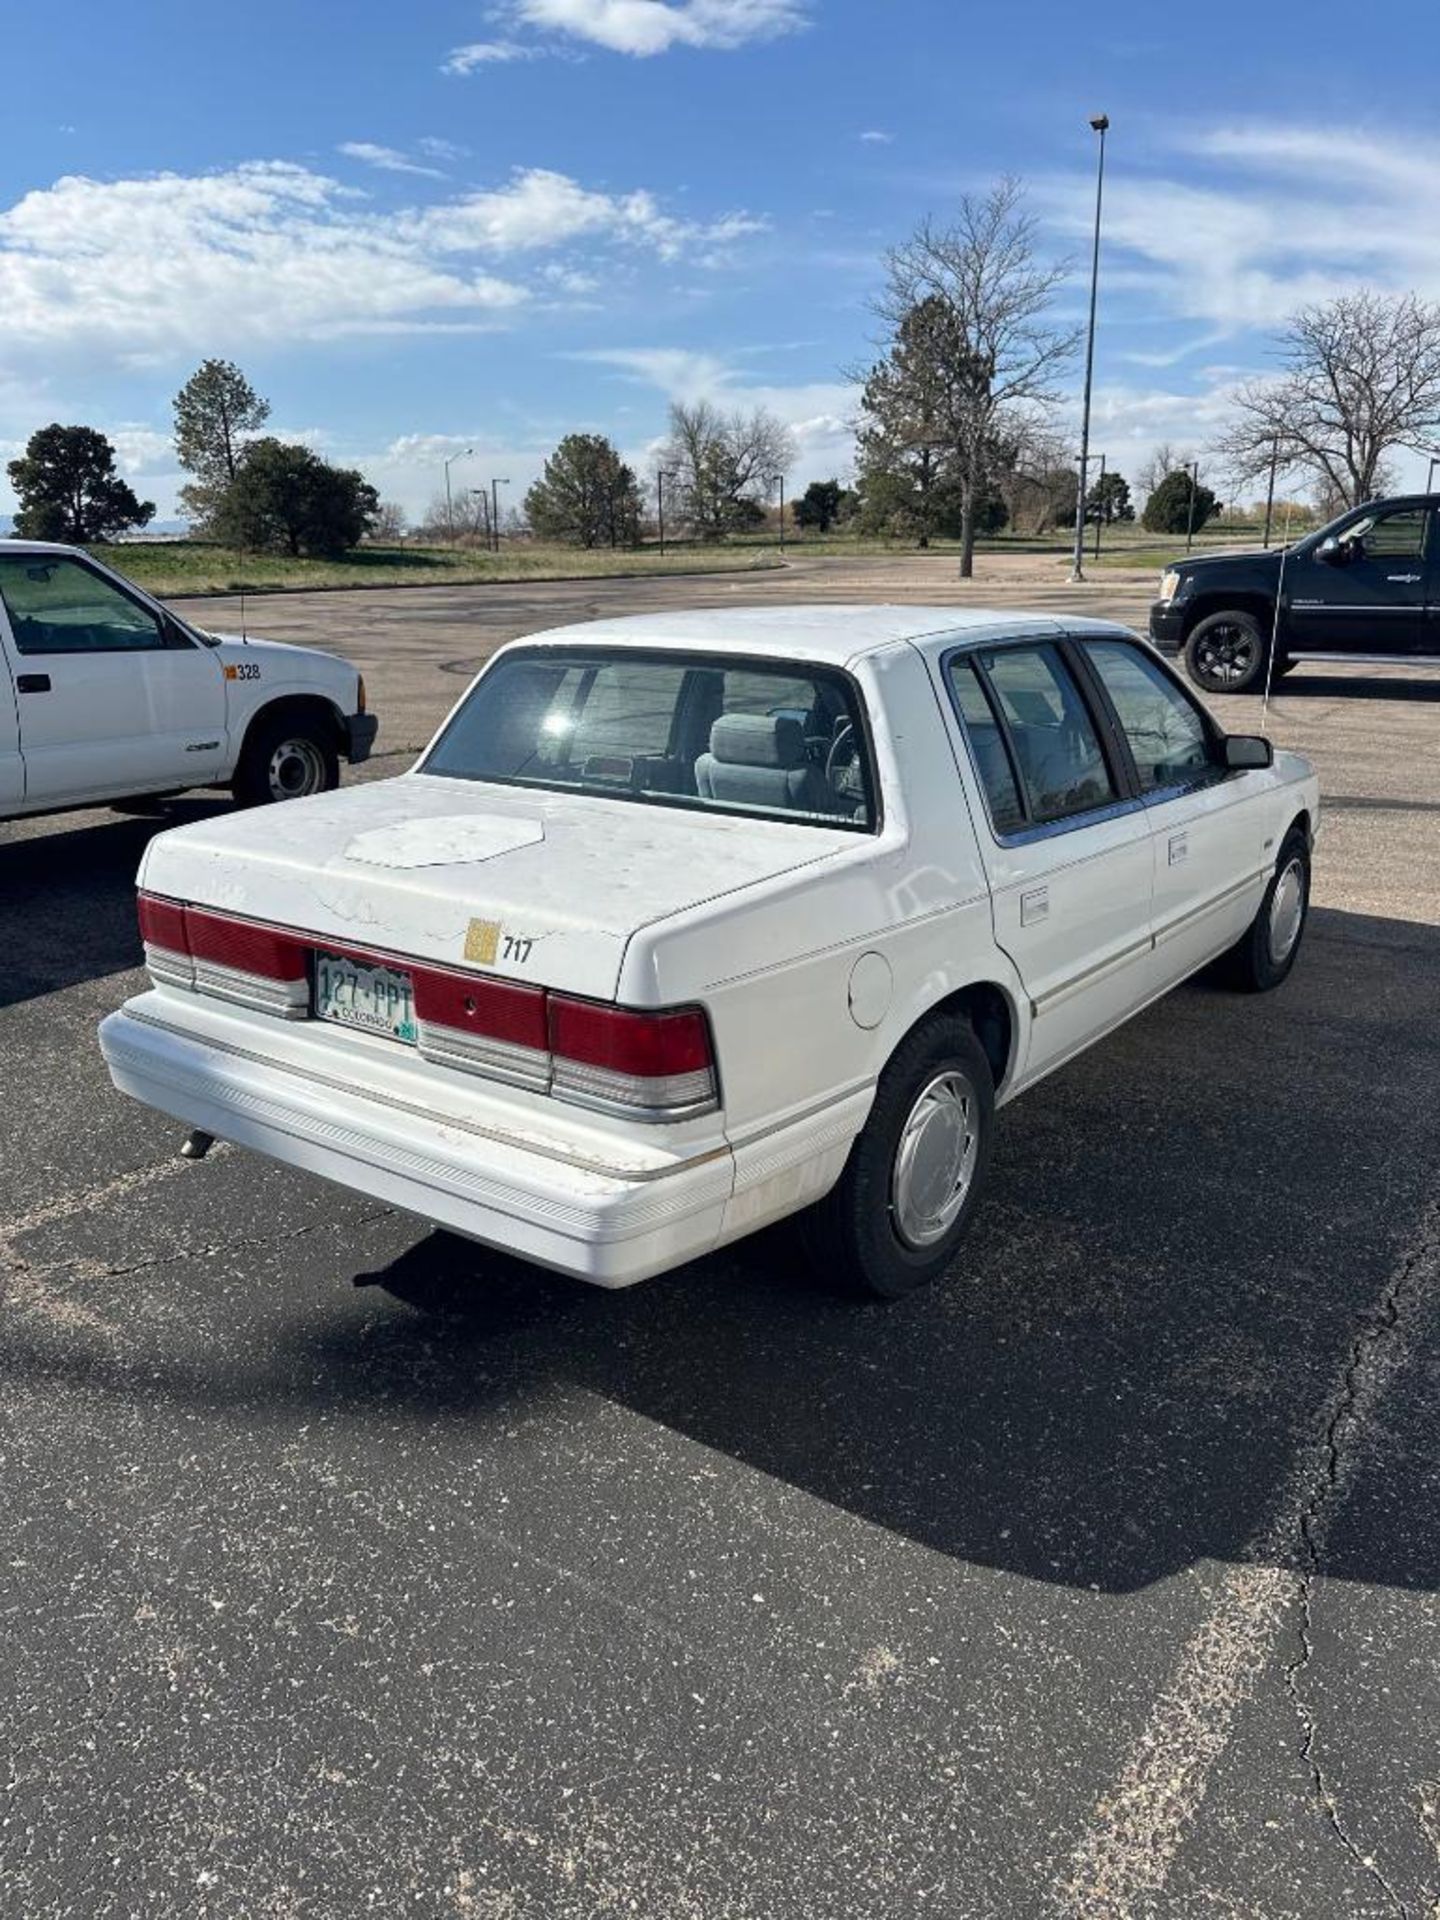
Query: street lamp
x=1270, y=490
x=1100, y=123
x=495, y=486
x=1430, y=476
x=464, y=454
x=479, y=493
x=1099, y=505
x=779, y=479
x=662, y=474
x=1194, y=472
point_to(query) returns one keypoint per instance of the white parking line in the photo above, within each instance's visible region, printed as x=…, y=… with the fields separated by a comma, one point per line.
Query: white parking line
x=1138, y=1826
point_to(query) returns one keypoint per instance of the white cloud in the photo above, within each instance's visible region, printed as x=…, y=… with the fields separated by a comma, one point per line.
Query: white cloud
x=1281, y=215
x=645, y=27
x=486, y=53
x=873, y=137
x=818, y=413
x=387, y=159
x=269, y=251
x=542, y=209
x=439, y=149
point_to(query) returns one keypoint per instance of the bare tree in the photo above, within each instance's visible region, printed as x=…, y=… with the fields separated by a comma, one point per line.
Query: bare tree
x=727, y=465
x=1165, y=459
x=387, y=529
x=1361, y=379
x=983, y=271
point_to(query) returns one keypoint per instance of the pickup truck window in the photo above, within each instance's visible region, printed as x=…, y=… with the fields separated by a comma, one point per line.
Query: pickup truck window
x=1168, y=737
x=729, y=736
x=58, y=606
x=1053, y=746
x=1391, y=536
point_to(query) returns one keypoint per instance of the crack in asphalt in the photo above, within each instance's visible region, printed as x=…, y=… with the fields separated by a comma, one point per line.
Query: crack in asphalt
x=1139, y=1825
x=1364, y=1374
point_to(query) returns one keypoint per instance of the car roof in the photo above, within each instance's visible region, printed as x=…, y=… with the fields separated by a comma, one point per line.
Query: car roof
x=35, y=546
x=832, y=635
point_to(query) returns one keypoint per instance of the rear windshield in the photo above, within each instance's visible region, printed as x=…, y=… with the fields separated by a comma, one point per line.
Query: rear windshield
x=718, y=735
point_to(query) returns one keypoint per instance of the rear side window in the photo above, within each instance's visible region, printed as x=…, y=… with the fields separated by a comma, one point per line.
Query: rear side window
x=707, y=733
x=1054, y=767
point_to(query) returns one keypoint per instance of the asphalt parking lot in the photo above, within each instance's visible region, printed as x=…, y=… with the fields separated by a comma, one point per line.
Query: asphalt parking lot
x=350, y=1569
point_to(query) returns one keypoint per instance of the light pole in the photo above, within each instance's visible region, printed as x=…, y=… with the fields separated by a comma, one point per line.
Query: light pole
x=1430, y=476
x=495, y=486
x=1194, y=472
x=464, y=454
x=479, y=493
x=1270, y=490
x=1100, y=123
x=1099, y=505
x=779, y=479
x=662, y=474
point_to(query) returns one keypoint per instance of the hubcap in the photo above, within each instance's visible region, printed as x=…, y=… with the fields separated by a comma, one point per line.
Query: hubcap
x=297, y=768
x=935, y=1160
x=1226, y=654
x=1287, y=910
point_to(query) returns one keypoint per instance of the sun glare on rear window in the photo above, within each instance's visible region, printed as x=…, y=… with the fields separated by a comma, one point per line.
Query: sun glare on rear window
x=780, y=740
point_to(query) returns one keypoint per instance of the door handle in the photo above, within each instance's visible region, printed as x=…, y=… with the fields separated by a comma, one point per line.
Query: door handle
x=1179, y=849
x=1404, y=579
x=32, y=683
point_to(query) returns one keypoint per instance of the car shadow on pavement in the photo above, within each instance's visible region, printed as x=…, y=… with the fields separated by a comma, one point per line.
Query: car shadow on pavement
x=1187, y=1233
x=67, y=894
x=1305, y=684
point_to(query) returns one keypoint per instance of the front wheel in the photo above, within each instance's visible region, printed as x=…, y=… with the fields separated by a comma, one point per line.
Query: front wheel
x=1265, y=953
x=1226, y=653
x=287, y=758
x=914, y=1175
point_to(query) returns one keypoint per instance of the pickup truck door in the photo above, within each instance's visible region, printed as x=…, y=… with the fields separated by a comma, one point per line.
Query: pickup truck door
x=12, y=767
x=1069, y=855
x=112, y=698
x=1206, y=826
x=1374, y=601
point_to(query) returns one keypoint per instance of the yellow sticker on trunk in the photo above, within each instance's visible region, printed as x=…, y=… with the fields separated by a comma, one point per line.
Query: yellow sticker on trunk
x=482, y=942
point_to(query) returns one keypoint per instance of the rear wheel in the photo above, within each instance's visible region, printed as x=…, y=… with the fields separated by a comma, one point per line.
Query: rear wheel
x=288, y=757
x=914, y=1175
x=1265, y=953
x=1226, y=653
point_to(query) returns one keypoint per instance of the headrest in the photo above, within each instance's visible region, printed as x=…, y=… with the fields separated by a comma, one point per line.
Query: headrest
x=758, y=740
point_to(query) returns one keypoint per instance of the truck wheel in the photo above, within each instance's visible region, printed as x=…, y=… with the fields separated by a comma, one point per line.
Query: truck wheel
x=914, y=1175
x=1265, y=953
x=1226, y=653
x=288, y=757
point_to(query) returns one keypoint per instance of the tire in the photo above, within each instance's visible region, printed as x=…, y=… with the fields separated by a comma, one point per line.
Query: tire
x=1265, y=953
x=286, y=757
x=1225, y=653
x=884, y=1229
x=1282, y=667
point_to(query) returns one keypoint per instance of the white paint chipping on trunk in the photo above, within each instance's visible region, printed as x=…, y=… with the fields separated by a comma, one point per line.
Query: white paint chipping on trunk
x=1138, y=1826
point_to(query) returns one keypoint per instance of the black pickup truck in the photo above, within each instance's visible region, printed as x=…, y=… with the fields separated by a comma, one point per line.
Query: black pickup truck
x=1364, y=588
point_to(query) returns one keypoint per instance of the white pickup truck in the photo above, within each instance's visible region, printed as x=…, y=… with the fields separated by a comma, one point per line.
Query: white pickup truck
x=106, y=696
x=686, y=923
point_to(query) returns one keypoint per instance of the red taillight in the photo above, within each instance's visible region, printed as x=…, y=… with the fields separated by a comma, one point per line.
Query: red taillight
x=488, y=1026
x=662, y=1062
x=244, y=947
x=162, y=923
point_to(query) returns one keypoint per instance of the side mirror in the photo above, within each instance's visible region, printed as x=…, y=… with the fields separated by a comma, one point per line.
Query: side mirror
x=1248, y=750
x=1336, y=552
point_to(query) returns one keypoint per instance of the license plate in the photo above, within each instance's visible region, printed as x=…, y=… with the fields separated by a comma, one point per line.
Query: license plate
x=374, y=999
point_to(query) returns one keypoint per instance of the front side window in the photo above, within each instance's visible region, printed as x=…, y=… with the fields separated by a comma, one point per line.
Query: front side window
x=1391, y=536
x=58, y=606
x=730, y=736
x=1168, y=737
x=1040, y=715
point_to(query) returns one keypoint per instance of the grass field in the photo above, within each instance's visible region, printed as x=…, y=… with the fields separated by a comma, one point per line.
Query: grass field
x=197, y=567
x=194, y=566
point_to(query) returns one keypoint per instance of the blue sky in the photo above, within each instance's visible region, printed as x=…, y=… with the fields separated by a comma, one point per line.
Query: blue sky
x=485, y=225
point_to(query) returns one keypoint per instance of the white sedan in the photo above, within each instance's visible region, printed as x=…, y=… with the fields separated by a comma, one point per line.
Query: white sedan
x=686, y=923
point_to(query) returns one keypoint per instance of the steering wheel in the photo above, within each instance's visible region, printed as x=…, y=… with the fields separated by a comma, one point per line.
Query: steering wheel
x=844, y=751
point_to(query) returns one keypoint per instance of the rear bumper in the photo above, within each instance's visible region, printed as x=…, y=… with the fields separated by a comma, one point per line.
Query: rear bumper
x=360, y=732
x=1167, y=626
x=606, y=1228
